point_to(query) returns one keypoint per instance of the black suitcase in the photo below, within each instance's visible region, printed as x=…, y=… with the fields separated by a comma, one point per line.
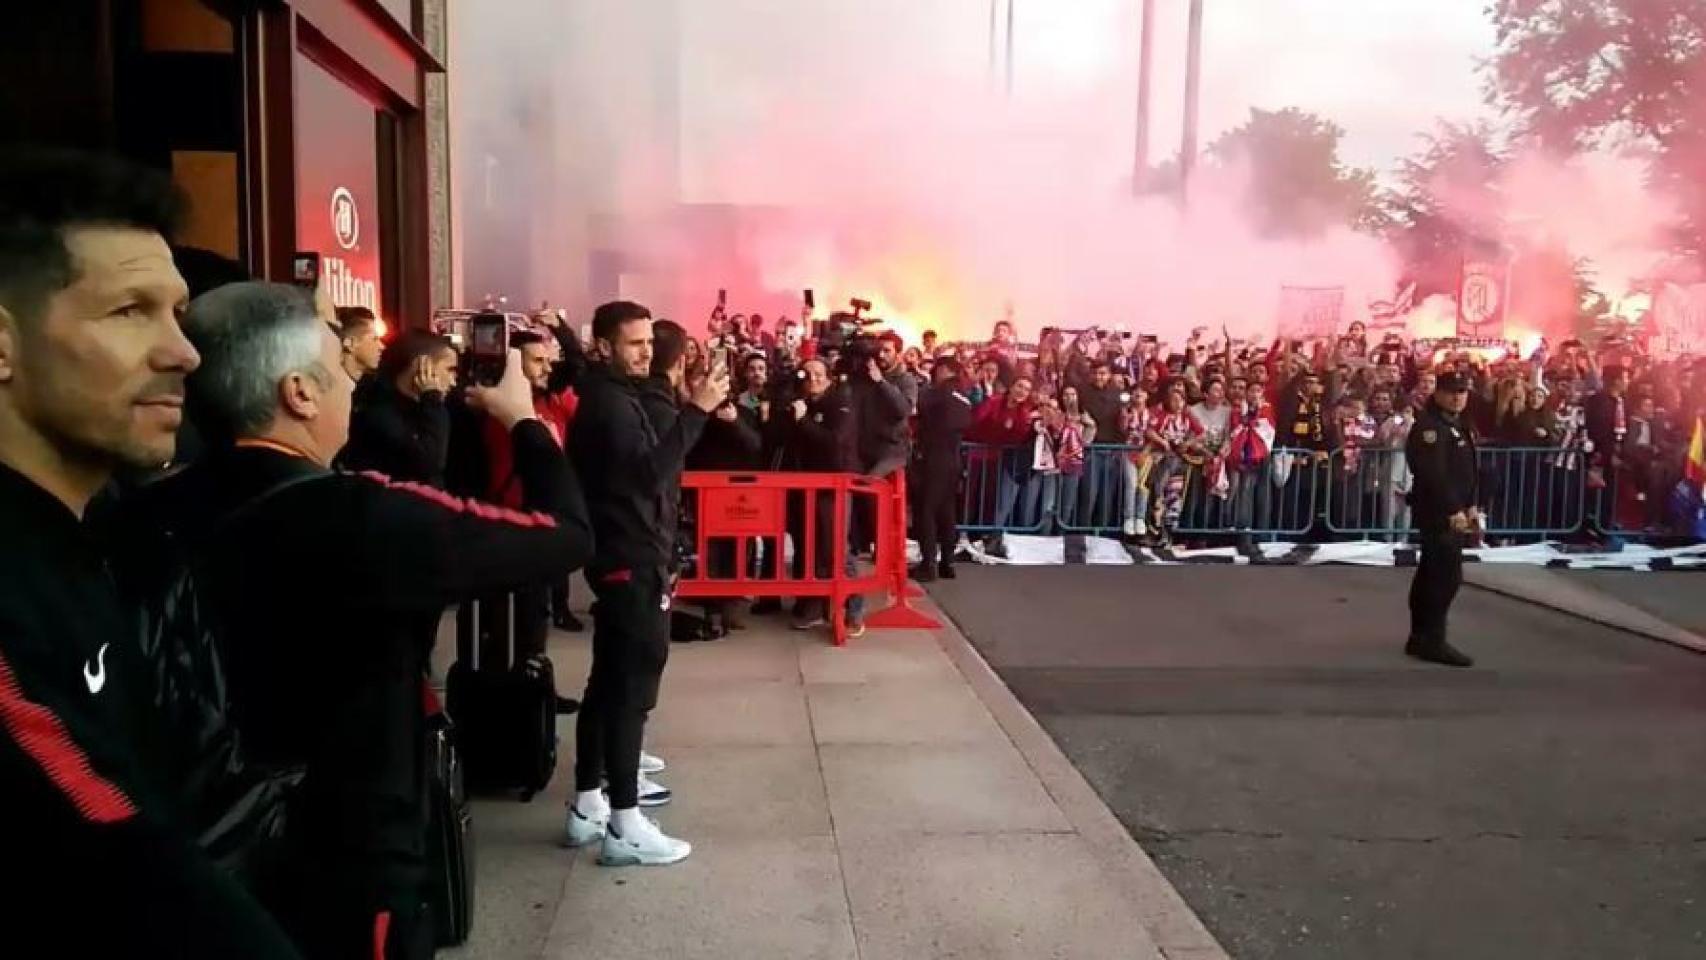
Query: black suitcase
x=505, y=712
x=450, y=837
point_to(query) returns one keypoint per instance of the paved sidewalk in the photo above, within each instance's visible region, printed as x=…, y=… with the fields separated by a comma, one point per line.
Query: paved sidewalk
x=1576, y=593
x=885, y=801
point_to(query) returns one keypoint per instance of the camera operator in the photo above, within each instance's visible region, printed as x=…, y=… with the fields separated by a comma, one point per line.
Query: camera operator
x=633, y=475
x=99, y=861
x=821, y=437
x=944, y=415
x=331, y=680
x=403, y=429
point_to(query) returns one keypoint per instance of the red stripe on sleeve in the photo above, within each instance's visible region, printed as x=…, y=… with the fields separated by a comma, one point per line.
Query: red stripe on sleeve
x=43, y=738
x=484, y=511
x=381, y=933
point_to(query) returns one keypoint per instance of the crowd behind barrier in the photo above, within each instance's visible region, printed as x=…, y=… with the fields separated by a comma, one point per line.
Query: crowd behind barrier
x=1294, y=495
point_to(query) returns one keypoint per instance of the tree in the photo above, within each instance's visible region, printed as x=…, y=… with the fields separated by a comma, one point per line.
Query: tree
x=1446, y=205
x=1573, y=74
x=1298, y=186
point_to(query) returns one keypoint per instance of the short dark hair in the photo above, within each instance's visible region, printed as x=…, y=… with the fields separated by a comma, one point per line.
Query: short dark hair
x=412, y=345
x=351, y=318
x=890, y=337
x=610, y=317
x=44, y=192
x=669, y=343
x=525, y=338
x=929, y=334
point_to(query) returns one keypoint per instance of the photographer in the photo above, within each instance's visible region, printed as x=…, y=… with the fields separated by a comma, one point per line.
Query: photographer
x=276, y=526
x=633, y=478
x=821, y=437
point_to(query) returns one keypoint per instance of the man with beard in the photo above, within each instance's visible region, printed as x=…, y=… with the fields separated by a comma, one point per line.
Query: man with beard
x=633, y=478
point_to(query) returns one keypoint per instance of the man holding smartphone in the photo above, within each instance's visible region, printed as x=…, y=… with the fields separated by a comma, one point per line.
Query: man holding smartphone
x=631, y=471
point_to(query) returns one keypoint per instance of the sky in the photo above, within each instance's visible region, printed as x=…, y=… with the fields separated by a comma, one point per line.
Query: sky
x=1382, y=69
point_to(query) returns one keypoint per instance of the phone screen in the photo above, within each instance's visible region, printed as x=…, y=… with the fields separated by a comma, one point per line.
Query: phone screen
x=305, y=270
x=489, y=349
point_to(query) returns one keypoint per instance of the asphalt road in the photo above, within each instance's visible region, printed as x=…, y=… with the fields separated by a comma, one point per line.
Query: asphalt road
x=1315, y=795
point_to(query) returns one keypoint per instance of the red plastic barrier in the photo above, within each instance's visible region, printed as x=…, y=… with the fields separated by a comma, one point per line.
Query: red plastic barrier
x=737, y=508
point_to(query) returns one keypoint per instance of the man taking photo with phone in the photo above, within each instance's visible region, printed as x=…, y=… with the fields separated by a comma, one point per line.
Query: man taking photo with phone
x=632, y=474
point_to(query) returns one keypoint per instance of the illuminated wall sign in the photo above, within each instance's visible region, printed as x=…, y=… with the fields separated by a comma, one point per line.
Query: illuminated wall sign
x=337, y=185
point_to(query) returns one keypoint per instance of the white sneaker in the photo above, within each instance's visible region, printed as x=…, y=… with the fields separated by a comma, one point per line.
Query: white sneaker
x=650, y=793
x=651, y=764
x=644, y=846
x=586, y=828
x=1131, y=528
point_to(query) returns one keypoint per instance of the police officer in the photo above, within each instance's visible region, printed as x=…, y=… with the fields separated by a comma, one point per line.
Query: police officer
x=944, y=413
x=1441, y=455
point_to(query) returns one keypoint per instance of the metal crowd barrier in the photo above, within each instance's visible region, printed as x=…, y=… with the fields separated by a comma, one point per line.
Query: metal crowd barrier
x=1534, y=492
x=1525, y=492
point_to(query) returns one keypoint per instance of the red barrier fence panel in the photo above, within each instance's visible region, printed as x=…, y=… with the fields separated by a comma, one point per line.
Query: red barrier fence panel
x=735, y=515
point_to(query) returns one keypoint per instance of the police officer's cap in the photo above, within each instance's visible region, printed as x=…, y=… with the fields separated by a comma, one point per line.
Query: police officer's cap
x=1452, y=383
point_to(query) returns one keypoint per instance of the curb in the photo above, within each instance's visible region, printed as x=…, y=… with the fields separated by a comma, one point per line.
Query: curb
x=1171, y=923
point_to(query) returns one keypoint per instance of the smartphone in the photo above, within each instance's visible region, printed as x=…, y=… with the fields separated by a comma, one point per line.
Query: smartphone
x=488, y=351
x=305, y=269
x=811, y=299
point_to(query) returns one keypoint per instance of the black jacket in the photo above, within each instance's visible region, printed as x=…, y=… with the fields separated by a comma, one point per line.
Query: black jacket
x=824, y=440
x=879, y=410
x=320, y=592
x=736, y=445
x=1103, y=405
x=631, y=470
x=1441, y=456
x=401, y=438
x=1600, y=413
x=944, y=415
x=98, y=859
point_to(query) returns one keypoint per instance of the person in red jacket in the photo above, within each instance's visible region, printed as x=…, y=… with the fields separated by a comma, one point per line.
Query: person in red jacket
x=1007, y=424
x=552, y=374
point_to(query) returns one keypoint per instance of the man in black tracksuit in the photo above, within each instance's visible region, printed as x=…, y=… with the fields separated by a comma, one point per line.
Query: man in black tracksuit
x=319, y=589
x=402, y=429
x=632, y=474
x=99, y=857
x=1441, y=454
x=944, y=414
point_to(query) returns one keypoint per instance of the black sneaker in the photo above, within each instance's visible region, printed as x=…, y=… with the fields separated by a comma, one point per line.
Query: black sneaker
x=1441, y=653
x=945, y=570
x=922, y=573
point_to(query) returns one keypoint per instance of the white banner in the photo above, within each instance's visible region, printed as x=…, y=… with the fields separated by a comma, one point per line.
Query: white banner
x=1310, y=312
x=1680, y=315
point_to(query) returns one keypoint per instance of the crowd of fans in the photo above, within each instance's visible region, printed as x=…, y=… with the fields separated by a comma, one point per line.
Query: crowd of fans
x=214, y=643
x=1100, y=430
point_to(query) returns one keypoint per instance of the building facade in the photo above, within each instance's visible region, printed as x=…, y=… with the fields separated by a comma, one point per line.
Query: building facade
x=292, y=125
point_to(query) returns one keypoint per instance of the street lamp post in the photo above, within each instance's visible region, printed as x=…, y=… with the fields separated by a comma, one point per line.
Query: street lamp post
x=1193, y=84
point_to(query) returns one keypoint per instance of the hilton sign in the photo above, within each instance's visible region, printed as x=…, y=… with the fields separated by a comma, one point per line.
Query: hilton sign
x=342, y=279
